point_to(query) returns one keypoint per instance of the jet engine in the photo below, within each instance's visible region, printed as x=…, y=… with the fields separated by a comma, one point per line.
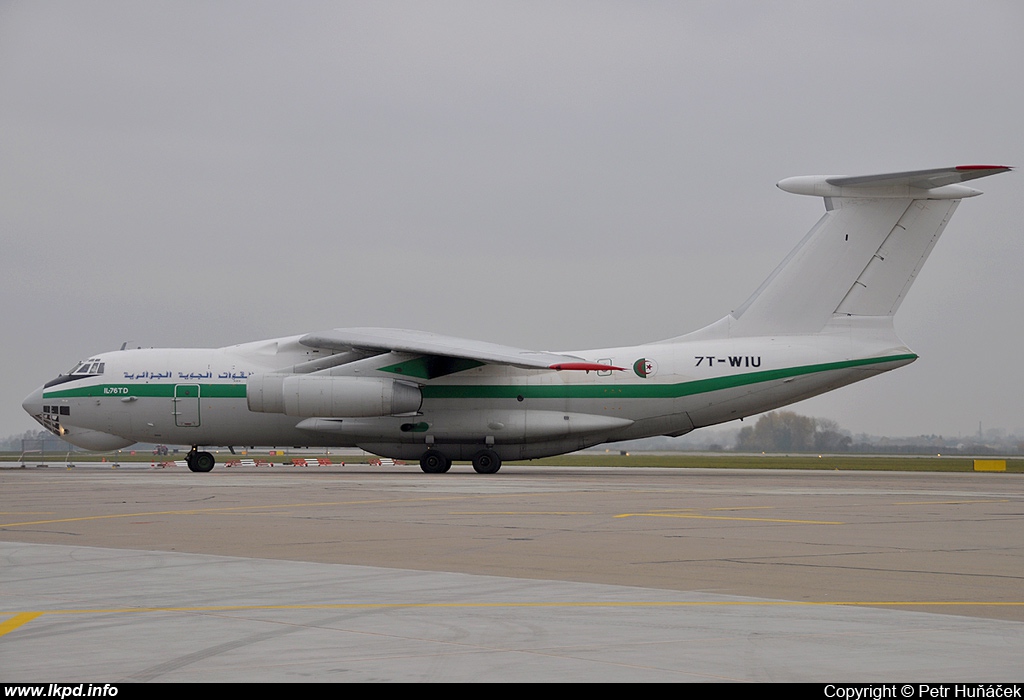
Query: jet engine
x=336, y=397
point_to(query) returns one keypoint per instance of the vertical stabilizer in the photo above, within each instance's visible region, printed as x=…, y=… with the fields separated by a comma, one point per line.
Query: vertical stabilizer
x=863, y=254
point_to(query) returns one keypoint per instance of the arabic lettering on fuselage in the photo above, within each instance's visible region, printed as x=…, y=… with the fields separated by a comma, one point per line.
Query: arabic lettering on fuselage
x=186, y=375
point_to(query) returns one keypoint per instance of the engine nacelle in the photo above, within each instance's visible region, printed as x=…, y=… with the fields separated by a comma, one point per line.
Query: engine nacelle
x=336, y=397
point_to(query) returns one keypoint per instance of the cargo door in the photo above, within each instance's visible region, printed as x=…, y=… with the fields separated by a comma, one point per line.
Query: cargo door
x=186, y=405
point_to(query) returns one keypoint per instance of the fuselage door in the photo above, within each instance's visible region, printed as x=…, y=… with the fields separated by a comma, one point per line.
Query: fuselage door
x=186, y=405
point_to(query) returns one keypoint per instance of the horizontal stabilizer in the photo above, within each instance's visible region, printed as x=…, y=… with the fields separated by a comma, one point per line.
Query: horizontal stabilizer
x=937, y=183
x=923, y=179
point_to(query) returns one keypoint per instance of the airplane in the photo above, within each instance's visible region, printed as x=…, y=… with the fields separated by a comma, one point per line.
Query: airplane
x=823, y=319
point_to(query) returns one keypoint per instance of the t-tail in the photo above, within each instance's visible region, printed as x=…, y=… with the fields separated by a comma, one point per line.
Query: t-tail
x=855, y=266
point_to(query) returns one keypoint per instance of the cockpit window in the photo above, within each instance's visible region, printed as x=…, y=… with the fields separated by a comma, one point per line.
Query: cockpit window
x=88, y=367
x=83, y=370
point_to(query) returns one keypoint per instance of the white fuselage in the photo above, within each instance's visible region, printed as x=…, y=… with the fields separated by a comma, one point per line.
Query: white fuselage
x=199, y=396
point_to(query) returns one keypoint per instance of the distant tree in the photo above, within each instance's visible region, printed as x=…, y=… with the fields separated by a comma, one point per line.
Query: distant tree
x=13, y=442
x=778, y=431
x=829, y=438
x=785, y=431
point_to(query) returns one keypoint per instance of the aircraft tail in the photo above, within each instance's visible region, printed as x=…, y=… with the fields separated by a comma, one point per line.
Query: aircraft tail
x=863, y=254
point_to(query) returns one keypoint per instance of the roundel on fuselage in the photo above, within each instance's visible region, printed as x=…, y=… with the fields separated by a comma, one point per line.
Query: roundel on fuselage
x=645, y=367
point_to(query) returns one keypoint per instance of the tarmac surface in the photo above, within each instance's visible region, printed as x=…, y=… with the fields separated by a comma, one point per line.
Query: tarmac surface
x=533, y=574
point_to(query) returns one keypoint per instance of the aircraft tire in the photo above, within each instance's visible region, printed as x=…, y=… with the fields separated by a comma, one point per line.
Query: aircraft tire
x=486, y=462
x=435, y=462
x=202, y=462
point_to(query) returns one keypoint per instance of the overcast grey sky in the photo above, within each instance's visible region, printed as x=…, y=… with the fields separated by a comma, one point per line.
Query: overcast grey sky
x=552, y=175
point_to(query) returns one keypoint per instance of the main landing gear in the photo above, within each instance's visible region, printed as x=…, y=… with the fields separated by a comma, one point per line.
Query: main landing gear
x=199, y=461
x=437, y=462
x=486, y=462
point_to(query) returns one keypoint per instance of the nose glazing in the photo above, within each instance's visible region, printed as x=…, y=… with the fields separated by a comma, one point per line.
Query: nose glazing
x=33, y=403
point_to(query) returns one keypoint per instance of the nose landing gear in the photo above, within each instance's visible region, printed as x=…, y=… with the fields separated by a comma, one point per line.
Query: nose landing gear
x=199, y=461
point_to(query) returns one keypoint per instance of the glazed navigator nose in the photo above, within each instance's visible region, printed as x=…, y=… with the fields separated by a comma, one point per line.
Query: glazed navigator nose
x=33, y=403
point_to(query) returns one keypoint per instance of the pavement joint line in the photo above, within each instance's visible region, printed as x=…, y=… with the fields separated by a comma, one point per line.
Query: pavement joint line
x=521, y=512
x=22, y=618
x=949, y=503
x=726, y=517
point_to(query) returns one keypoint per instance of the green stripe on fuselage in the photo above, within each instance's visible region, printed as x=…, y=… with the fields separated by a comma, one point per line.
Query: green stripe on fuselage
x=644, y=391
x=511, y=391
x=206, y=391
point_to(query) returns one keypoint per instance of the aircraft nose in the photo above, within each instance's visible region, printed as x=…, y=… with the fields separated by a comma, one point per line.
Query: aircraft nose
x=33, y=403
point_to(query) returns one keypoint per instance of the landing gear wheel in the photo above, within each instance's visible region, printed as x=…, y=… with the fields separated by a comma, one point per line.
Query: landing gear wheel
x=200, y=461
x=435, y=462
x=486, y=462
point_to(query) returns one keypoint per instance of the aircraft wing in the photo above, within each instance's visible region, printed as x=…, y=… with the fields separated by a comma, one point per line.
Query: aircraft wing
x=432, y=344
